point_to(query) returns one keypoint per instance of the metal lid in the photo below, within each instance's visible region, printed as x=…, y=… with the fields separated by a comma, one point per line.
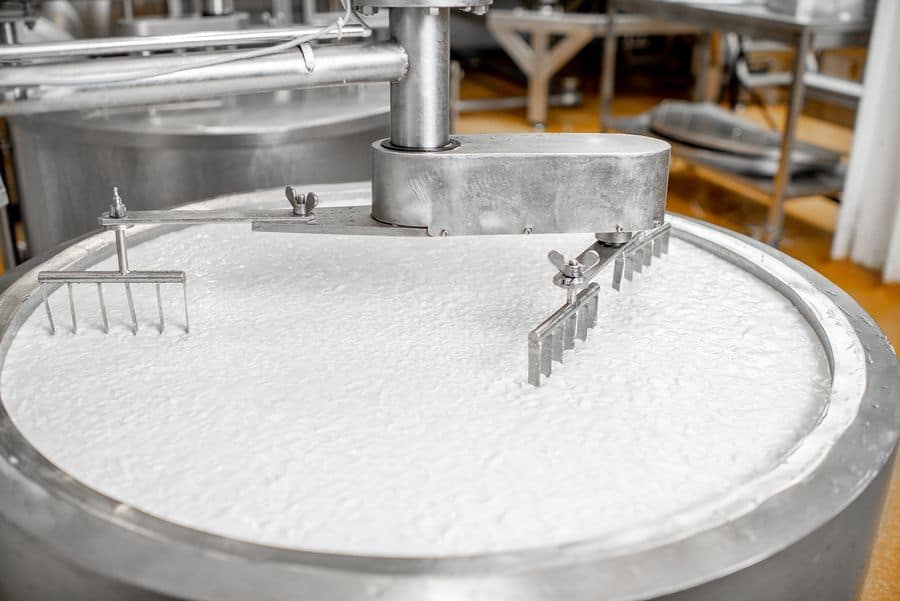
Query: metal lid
x=249, y=120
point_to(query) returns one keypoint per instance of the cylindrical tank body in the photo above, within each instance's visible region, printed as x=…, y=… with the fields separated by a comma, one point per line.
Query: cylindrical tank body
x=67, y=163
x=806, y=537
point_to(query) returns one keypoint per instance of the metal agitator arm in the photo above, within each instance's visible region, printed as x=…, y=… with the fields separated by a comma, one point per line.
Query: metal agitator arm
x=424, y=180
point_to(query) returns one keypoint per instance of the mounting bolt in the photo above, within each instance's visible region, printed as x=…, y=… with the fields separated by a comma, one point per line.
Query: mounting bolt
x=444, y=233
x=302, y=204
x=528, y=229
x=117, y=209
x=368, y=11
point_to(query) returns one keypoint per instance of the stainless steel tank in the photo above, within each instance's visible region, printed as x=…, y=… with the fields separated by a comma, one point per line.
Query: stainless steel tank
x=66, y=163
x=60, y=539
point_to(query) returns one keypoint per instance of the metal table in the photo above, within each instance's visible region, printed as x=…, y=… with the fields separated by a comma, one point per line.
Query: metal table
x=801, y=34
x=540, y=62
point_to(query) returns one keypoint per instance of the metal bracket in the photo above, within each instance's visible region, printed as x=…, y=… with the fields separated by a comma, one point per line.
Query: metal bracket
x=556, y=334
x=511, y=183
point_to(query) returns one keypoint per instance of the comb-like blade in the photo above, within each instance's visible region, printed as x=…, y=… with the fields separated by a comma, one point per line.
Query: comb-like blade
x=647, y=253
x=657, y=246
x=546, y=357
x=134, y=323
x=72, y=308
x=47, y=307
x=187, y=323
x=593, y=311
x=557, y=342
x=534, y=360
x=618, y=272
x=629, y=267
x=103, y=308
x=162, y=317
x=637, y=259
x=570, y=332
x=581, y=333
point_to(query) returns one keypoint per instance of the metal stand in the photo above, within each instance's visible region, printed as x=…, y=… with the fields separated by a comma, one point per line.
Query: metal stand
x=801, y=34
x=540, y=60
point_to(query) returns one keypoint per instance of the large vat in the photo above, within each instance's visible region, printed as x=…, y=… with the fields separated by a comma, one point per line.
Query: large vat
x=809, y=537
x=175, y=153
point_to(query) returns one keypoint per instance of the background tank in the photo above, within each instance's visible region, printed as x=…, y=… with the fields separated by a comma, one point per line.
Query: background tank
x=66, y=163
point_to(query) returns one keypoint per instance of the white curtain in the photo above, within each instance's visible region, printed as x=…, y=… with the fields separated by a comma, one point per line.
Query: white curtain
x=869, y=225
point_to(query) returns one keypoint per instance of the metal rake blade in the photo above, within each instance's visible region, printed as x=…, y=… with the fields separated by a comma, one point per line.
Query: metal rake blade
x=639, y=252
x=123, y=276
x=47, y=279
x=555, y=335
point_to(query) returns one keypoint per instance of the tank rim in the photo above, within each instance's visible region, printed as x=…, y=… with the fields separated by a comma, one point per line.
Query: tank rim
x=114, y=539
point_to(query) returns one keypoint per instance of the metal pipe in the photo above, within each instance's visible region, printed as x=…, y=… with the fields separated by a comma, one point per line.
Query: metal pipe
x=333, y=65
x=185, y=41
x=420, y=102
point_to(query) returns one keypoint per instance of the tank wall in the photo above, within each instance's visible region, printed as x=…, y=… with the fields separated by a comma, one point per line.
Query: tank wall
x=64, y=184
x=827, y=565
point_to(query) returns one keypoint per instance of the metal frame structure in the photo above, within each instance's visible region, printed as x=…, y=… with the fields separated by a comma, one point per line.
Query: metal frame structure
x=801, y=34
x=540, y=60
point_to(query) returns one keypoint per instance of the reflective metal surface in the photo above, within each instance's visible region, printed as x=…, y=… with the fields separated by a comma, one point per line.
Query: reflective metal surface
x=510, y=183
x=711, y=127
x=62, y=540
x=67, y=163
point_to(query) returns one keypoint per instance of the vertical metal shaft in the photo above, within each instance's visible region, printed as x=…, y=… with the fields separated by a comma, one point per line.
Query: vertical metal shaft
x=420, y=102
x=121, y=251
x=608, y=75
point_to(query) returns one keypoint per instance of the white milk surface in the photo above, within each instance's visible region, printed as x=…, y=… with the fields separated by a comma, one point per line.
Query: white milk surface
x=368, y=395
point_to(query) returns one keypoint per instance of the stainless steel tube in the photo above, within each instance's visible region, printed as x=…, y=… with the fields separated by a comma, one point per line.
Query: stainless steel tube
x=333, y=65
x=185, y=41
x=420, y=102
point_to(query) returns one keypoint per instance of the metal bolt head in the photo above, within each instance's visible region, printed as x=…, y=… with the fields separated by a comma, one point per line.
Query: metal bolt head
x=368, y=11
x=117, y=209
x=528, y=230
x=444, y=233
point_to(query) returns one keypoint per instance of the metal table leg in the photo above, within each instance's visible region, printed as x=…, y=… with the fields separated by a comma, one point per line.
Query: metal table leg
x=540, y=62
x=702, y=53
x=608, y=76
x=775, y=221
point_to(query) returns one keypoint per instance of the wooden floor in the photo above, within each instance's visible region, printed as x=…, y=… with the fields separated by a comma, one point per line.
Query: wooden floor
x=809, y=229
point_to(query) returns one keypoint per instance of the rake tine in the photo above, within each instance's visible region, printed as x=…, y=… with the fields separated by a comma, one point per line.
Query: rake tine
x=593, y=311
x=534, y=360
x=72, y=308
x=546, y=357
x=569, y=342
x=657, y=247
x=47, y=307
x=638, y=259
x=557, y=342
x=134, y=322
x=103, y=307
x=162, y=318
x=618, y=272
x=647, y=252
x=665, y=241
x=581, y=332
x=187, y=325
x=629, y=267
